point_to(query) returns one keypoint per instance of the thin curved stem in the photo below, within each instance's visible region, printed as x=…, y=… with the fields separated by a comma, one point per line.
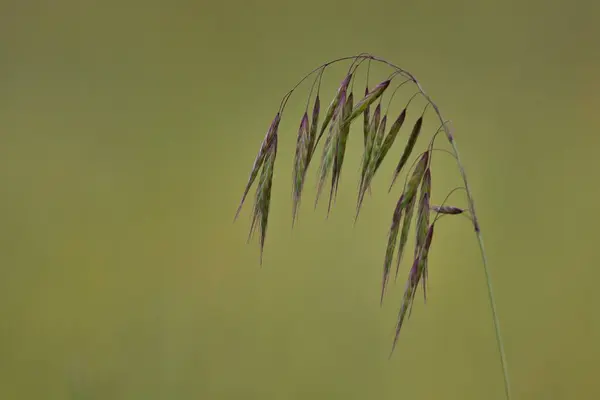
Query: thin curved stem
x=477, y=229
x=484, y=261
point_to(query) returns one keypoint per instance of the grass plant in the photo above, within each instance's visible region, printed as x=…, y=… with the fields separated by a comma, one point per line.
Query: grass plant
x=413, y=207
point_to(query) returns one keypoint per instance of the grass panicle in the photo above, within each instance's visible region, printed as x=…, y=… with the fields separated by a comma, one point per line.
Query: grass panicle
x=412, y=212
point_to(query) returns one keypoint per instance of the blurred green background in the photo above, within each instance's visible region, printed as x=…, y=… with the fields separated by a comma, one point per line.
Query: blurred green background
x=127, y=131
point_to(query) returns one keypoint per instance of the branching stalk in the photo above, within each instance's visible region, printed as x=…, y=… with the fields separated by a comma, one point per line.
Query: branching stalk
x=336, y=124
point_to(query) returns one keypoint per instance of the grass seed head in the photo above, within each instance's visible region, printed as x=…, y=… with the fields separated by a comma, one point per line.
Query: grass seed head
x=313, y=129
x=415, y=180
x=414, y=276
x=423, y=260
x=374, y=123
x=450, y=210
x=300, y=159
x=390, y=138
x=407, y=297
x=330, y=147
x=369, y=98
x=412, y=140
x=408, y=217
x=260, y=158
x=344, y=131
x=262, y=203
x=369, y=153
x=392, y=237
x=379, y=139
x=423, y=212
x=334, y=105
x=336, y=123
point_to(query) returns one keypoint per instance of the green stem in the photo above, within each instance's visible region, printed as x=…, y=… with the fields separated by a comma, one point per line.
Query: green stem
x=488, y=278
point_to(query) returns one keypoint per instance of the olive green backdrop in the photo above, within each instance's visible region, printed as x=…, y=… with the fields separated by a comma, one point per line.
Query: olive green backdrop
x=127, y=130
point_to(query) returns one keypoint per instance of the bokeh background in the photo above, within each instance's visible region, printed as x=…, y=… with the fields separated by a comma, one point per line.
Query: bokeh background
x=127, y=130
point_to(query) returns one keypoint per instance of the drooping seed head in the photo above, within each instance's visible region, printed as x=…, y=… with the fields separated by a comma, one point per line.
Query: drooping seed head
x=415, y=180
x=344, y=130
x=421, y=234
x=334, y=105
x=451, y=210
x=423, y=263
x=262, y=203
x=369, y=98
x=409, y=291
x=389, y=139
x=392, y=237
x=408, y=217
x=379, y=138
x=415, y=274
x=412, y=140
x=330, y=147
x=337, y=120
x=300, y=159
x=260, y=158
x=374, y=125
x=368, y=155
x=313, y=128
x=423, y=212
